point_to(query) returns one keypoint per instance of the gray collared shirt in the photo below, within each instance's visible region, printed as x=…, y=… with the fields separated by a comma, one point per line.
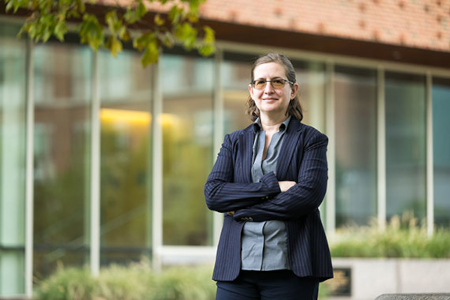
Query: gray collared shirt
x=264, y=244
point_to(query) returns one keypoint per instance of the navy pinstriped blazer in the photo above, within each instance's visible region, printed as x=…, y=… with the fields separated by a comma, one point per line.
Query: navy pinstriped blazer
x=229, y=188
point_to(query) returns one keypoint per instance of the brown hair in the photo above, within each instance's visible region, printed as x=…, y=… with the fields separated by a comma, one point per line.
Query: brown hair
x=294, y=108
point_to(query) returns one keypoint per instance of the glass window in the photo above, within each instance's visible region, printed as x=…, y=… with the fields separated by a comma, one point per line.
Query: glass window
x=405, y=144
x=12, y=160
x=125, y=116
x=311, y=80
x=441, y=150
x=235, y=78
x=187, y=123
x=356, y=150
x=62, y=89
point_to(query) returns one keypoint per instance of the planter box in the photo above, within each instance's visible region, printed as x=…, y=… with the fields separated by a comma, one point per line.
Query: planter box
x=368, y=278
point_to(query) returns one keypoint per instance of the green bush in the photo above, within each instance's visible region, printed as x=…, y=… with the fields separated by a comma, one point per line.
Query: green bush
x=403, y=237
x=74, y=284
x=133, y=282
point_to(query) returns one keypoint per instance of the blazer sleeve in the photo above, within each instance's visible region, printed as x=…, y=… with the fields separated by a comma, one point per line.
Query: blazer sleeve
x=302, y=198
x=223, y=194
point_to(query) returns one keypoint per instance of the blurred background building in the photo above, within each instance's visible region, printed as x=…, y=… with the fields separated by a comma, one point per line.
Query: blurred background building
x=103, y=161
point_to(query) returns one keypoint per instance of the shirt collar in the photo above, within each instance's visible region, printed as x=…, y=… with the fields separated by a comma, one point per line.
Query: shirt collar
x=257, y=125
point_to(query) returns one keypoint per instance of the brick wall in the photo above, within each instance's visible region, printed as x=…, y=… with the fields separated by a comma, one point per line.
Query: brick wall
x=411, y=23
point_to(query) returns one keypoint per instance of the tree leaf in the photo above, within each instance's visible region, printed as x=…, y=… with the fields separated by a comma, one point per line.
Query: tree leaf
x=114, y=24
x=209, y=35
x=150, y=54
x=145, y=39
x=91, y=32
x=81, y=7
x=61, y=30
x=175, y=14
x=141, y=10
x=158, y=21
x=49, y=18
x=124, y=34
x=114, y=45
x=9, y=5
x=186, y=34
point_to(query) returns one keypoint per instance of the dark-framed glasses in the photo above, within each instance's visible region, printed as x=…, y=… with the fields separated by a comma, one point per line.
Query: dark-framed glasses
x=277, y=83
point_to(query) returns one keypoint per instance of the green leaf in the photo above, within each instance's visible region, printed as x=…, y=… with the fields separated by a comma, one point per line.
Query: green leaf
x=114, y=45
x=142, y=41
x=114, y=24
x=141, y=10
x=61, y=30
x=194, y=6
x=207, y=50
x=81, y=7
x=9, y=5
x=175, y=14
x=91, y=31
x=150, y=54
x=124, y=34
x=73, y=14
x=25, y=28
x=186, y=34
x=209, y=35
x=158, y=20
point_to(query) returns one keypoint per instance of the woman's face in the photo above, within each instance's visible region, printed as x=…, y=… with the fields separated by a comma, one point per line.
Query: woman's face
x=271, y=102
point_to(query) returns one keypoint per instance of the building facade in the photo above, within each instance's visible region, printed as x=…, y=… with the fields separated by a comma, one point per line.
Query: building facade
x=103, y=161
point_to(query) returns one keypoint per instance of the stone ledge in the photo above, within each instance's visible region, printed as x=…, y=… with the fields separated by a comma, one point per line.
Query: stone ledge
x=414, y=297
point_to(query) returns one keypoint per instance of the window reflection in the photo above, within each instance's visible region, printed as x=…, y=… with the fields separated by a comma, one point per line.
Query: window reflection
x=61, y=154
x=311, y=81
x=125, y=185
x=356, y=111
x=405, y=144
x=187, y=126
x=12, y=161
x=441, y=150
x=235, y=78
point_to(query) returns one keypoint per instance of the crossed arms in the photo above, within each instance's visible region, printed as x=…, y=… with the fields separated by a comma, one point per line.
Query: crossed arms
x=270, y=199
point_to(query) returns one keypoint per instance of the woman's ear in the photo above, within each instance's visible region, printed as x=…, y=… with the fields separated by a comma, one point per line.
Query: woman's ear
x=294, y=90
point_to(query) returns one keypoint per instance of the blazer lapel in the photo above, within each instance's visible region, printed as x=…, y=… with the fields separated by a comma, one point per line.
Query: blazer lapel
x=287, y=150
x=245, y=153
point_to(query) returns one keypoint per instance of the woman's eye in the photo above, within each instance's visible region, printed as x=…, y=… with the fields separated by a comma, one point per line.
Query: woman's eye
x=278, y=81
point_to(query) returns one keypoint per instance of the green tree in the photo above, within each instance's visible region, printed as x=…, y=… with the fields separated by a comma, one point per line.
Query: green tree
x=148, y=30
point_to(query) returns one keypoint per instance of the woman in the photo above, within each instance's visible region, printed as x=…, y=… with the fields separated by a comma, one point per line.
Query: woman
x=269, y=180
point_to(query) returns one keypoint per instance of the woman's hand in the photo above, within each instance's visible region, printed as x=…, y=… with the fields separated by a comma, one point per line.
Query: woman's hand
x=230, y=213
x=285, y=185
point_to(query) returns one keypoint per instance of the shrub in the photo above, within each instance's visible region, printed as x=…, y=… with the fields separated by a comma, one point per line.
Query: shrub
x=182, y=283
x=74, y=284
x=133, y=282
x=403, y=237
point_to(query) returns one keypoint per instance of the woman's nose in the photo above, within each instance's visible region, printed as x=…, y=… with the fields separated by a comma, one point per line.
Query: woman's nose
x=269, y=87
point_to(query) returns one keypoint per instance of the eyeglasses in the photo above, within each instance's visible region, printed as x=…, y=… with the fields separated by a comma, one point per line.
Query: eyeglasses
x=277, y=83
